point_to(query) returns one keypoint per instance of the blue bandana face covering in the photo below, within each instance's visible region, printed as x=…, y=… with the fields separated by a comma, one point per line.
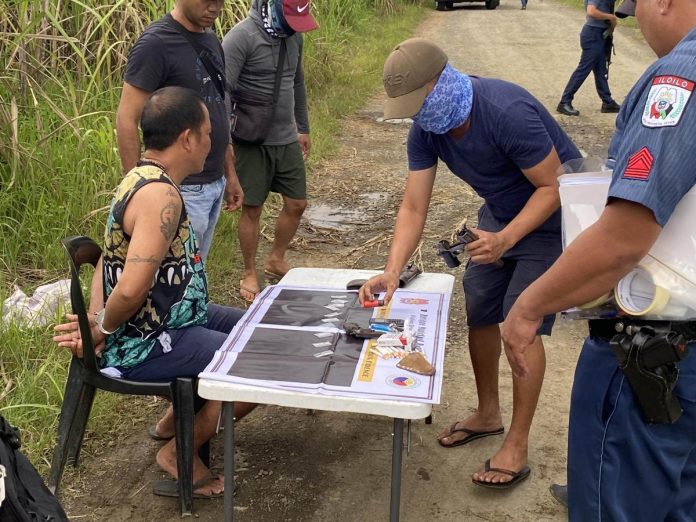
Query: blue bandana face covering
x=276, y=19
x=448, y=105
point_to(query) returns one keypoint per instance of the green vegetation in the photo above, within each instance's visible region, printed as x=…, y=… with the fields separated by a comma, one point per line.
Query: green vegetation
x=63, y=67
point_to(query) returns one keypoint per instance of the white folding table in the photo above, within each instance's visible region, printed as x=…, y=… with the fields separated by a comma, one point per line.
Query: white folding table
x=228, y=392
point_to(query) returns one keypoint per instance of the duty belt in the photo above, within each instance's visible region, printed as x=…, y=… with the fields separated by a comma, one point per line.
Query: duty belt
x=606, y=329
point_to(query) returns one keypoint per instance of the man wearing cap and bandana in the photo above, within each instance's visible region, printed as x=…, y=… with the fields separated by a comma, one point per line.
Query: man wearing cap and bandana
x=500, y=140
x=620, y=467
x=252, y=52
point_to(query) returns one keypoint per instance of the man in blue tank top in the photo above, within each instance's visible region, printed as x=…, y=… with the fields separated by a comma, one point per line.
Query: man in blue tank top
x=150, y=317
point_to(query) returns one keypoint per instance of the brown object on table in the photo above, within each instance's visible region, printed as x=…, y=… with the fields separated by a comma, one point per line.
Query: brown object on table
x=415, y=362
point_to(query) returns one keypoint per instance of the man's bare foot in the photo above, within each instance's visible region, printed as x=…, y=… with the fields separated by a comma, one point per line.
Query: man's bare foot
x=275, y=268
x=212, y=486
x=507, y=458
x=475, y=426
x=166, y=459
x=249, y=287
x=164, y=428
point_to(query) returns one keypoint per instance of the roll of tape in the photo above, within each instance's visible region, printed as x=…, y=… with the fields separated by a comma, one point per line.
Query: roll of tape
x=638, y=294
x=596, y=302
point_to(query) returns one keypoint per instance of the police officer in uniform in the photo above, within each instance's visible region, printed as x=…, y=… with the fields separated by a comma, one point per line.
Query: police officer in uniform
x=595, y=41
x=625, y=462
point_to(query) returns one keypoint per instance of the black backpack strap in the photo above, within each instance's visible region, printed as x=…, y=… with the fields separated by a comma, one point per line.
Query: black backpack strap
x=217, y=76
x=279, y=70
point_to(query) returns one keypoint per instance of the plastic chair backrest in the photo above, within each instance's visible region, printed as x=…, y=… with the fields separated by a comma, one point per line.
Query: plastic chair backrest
x=81, y=250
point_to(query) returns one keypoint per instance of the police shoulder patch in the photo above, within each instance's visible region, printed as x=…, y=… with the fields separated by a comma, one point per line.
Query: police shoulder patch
x=666, y=101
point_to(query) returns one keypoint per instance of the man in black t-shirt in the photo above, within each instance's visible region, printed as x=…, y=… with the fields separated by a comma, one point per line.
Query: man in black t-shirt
x=163, y=56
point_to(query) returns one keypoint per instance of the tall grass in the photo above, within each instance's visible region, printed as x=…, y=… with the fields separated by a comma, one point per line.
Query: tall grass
x=61, y=69
x=63, y=64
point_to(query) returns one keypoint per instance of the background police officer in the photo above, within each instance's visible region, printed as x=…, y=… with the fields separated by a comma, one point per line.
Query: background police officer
x=594, y=39
x=619, y=466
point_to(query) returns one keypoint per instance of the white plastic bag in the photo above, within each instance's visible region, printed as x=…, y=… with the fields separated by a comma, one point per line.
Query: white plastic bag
x=38, y=310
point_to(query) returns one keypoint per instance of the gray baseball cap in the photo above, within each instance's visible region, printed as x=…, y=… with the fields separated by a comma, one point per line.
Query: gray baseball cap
x=408, y=69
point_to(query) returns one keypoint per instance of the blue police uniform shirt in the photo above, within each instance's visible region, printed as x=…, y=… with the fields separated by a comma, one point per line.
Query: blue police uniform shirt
x=510, y=131
x=606, y=6
x=653, y=147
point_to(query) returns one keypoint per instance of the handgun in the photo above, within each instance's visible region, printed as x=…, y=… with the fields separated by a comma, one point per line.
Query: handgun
x=449, y=251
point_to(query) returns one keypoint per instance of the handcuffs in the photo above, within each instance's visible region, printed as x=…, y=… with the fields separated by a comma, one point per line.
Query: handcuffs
x=99, y=320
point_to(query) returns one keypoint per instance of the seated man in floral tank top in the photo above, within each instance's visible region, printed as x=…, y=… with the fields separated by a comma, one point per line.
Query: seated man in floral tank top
x=151, y=319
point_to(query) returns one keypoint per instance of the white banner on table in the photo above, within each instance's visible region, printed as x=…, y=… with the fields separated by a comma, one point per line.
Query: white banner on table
x=292, y=338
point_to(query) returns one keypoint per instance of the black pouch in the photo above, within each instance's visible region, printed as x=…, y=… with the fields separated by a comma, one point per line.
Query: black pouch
x=251, y=116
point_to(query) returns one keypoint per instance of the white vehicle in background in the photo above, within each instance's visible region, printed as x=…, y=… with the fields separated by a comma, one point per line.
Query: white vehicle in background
x=441, y=5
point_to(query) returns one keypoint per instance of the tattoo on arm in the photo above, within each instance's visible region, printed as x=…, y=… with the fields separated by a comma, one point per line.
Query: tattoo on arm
x=137, y=259
x=168, y=220
x=172, y=193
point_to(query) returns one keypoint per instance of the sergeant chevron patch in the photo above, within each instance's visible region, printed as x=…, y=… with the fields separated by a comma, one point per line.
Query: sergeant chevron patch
x=639, y=165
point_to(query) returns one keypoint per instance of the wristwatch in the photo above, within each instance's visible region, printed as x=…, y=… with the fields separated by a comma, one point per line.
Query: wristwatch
x=100, y=323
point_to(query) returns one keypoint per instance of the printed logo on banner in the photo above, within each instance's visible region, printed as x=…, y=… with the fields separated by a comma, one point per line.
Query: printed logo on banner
x=666, y=101
x=403, y=381
x=414, y=300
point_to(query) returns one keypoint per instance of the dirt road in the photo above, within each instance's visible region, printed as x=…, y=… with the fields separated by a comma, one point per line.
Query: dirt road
x=299, y=467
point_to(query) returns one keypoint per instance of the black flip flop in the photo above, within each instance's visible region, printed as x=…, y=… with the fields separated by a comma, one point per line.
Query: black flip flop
x=273, y=276
x=559, y=494
x=473, y=435
x=152, y=433
x=517, y=477
x=170, y=488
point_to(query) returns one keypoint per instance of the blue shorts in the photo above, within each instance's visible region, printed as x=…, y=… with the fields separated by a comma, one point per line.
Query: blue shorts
x=192, y=348
x=490, y=291
x=619, y=467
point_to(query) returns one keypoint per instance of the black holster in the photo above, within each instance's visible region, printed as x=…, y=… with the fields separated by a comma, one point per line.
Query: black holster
x=648, y=359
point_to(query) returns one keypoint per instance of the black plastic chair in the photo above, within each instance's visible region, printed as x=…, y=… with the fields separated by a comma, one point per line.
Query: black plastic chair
x=84, y=379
